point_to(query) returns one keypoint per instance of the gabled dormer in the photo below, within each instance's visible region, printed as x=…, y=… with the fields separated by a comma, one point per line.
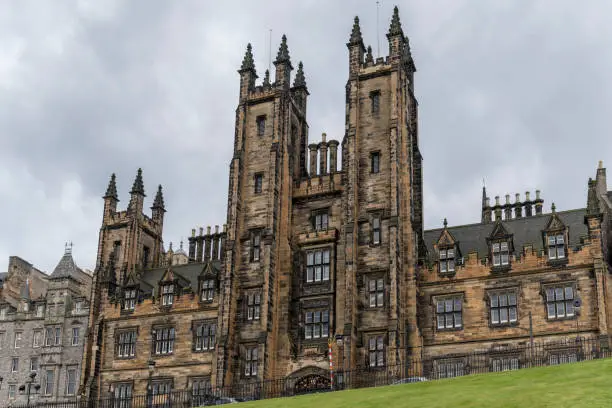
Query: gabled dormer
x=130, y=294
x=448, y=252
x=501, y=246
x=170, y=287
x=207, y=283
x=555, y=237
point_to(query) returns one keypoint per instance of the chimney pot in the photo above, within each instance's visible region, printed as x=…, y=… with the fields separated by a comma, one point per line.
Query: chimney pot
x=537, y=194
x=193, y=232
x=208, y=230
x=518, y=198
x=216, y=229
x=201, y=231
x=600, y=164
x=526, y=195
x=507, y=198
x=496, y=200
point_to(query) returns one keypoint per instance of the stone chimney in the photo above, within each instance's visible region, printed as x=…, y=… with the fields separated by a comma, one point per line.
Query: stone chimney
x=215, y=244
x=528, y=209
x=538, y=203
x=313, y=159
x=207, y=244
x=497, y=209
x=333, y=156
x=518, y=206
x=323, y=155
x=508, y=208
x=199, y=242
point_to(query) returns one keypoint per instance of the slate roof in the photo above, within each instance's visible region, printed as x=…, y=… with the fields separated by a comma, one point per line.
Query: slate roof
x=527, y=230
x=186, y=274
x=66, y=268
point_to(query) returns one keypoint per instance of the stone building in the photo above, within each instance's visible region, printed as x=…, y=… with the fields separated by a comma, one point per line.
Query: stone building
x=43, y=321
x=313, y=251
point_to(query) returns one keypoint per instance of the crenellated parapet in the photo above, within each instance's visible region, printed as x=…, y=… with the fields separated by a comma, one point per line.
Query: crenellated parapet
x=207, y=247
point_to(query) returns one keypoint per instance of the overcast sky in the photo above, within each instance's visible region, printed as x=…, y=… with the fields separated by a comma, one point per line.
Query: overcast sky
x=517, y=92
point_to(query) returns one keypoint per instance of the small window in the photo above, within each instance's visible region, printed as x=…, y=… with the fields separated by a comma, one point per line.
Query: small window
x=562, y=358
x=2, y=339
x=375, y=162
x=321, y=220
x=201, y=391
x=375, y=101
x=36, y=338
x=12, y=391
x=450, y=368
x=261, y=125
x=447, y=260
x=560, y=302
x=34, y=364
x=556, y=247
x=75, y=336
x=125, y=344
x=164, y=340
x=501, y=253
x=40, y=311
x=258, y=183
x=317, y=265
x=449, y=313
x=255, y=246
x=161, y=391
x=14, y=364
x=71, y=375
x=376, y=230
x=18, y=337
x=49, y=382
x=251, y=361
x=503, y=308
x=208, y=290
x=167, y=295
x=129, y=302
x=316, y=325
x=53, y=336
x=253, y=306
x=78, y=306
x=376, y=292
x=376, y=350
x=204, y=336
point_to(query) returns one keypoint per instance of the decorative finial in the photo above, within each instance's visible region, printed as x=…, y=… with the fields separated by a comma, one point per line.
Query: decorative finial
x=300, y=80
x=553, y=208
x=111, y=191
x=68, y=248
x=138, y=187
x=396, y=26
x=181, y=247
x=266, y=81
x=247, y=63
x=158, y=203
x=369, y=57
x=600, y=165
x=445, y=222
x=356, y=33
x=283, y=51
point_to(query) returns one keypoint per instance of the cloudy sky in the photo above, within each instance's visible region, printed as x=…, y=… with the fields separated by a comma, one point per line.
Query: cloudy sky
x=517, y=92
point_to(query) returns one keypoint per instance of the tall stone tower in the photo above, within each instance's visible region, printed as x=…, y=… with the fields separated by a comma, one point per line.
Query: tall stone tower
x=129, y=242
x=315, y=253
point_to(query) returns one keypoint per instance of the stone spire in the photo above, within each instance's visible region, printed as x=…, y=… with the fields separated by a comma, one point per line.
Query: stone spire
x=111, y=190
x=138, y=187
x=356, y=38
x=248, y=64
x=266, y=81
x=158, y=203
x=369, y=59
x=283, y=52
x=300, y=80
x=396, y=27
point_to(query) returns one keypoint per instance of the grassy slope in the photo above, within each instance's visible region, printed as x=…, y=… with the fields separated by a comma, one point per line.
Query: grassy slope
x=587, y=384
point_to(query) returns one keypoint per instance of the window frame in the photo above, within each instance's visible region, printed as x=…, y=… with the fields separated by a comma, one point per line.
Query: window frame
x=318, y=323
x=375, y=157
x=318, y=218
x=494, y=303
x=376, y=290
x=167, y=295
x=164, y=338
x=46, y=390
x=555, y=287
x=260, y=124
x=497, y=247
x=258, y=183
x=126, y=340
x=14, y=364
x=555, y=241
x=255, y=252
x=208, y=286
x=18, y=337
x=377, y=348
x=130, y=298
x=375, y=102
x=204, y=336
x=76, y=330
x=72, y=369
x=252, y=302
x=376, y=231
x=34, y=367
x=122, y=394
x=251, y=361
x=457, y=299
x=447, y=260
x=200, y=395
x=324, y=254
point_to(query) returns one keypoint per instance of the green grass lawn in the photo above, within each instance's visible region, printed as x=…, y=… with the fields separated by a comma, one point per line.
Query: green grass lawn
x=586, y=384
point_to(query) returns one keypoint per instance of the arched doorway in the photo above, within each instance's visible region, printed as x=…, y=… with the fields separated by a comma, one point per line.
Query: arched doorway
x=312, y=383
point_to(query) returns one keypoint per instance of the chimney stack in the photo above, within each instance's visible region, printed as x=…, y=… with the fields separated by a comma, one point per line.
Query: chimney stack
x=518, y=207
x=313, y=159
x=215, y=244
x=497, y=208
x=528, y=203
x=323, y=155
x=333, y=156
x=538, y=203
x=508, y=208
x=207, y=242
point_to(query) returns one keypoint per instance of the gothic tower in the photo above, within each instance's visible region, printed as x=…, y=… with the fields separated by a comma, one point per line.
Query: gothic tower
x=129, y=241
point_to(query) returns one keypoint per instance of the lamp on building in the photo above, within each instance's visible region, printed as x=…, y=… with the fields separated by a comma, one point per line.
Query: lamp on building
x=27, y=388
x=340, y=343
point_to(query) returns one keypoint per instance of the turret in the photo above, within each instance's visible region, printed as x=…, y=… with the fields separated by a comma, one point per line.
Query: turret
x=137, y=194
x=158, y=208
x=247, y=72
x=356, y=48
x=110, y=197
x=396, y=36
x=283, y=65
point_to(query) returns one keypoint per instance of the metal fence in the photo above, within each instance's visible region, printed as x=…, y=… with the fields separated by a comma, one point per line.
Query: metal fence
x=496, y=358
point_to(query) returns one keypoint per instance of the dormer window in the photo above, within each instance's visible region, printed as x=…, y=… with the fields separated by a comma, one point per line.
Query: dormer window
x=129, y=302
x=447, y=260
x=501, y=253
x=556, y=246
x=208, y=290
x=167, y=295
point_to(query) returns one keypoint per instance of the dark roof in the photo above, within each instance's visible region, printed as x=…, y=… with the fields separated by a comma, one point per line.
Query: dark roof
x=3, y=275
x=66, y=268
x=527, y=230
x=187, y=274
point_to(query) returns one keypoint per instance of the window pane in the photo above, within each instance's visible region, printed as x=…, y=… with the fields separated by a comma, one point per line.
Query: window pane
x=309, y=274
x=440, y=306
x=380, y=284
x=512, y=299
x=451, y=265
x=561, y=251
x=310, y=258
x=495, y=247
x=550, y=294
x=442, y=266
x=504, y=246
x=569, y=308
x=326, y=272
x=551, y=240
x=512, y=312
x=558, y=293
x=560, y=309
x=318, y=257
x=457, y=319
x=451, y=253
x=560, y=239
x=448, y=305
x=449, y=320
x=380, y=298
x=569, y=293
x=503, y=300
x=494, y=300
x=443, y=254
x=495, y=316
x=503, y=315
x=440, y=321
x=458, y=304
x=326, y=256
x=372, y=299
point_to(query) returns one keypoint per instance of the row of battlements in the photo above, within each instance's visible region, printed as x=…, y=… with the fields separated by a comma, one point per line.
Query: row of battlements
x=207, y=247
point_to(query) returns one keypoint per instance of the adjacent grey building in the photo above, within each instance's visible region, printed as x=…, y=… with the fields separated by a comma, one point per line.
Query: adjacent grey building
x=43, y=323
